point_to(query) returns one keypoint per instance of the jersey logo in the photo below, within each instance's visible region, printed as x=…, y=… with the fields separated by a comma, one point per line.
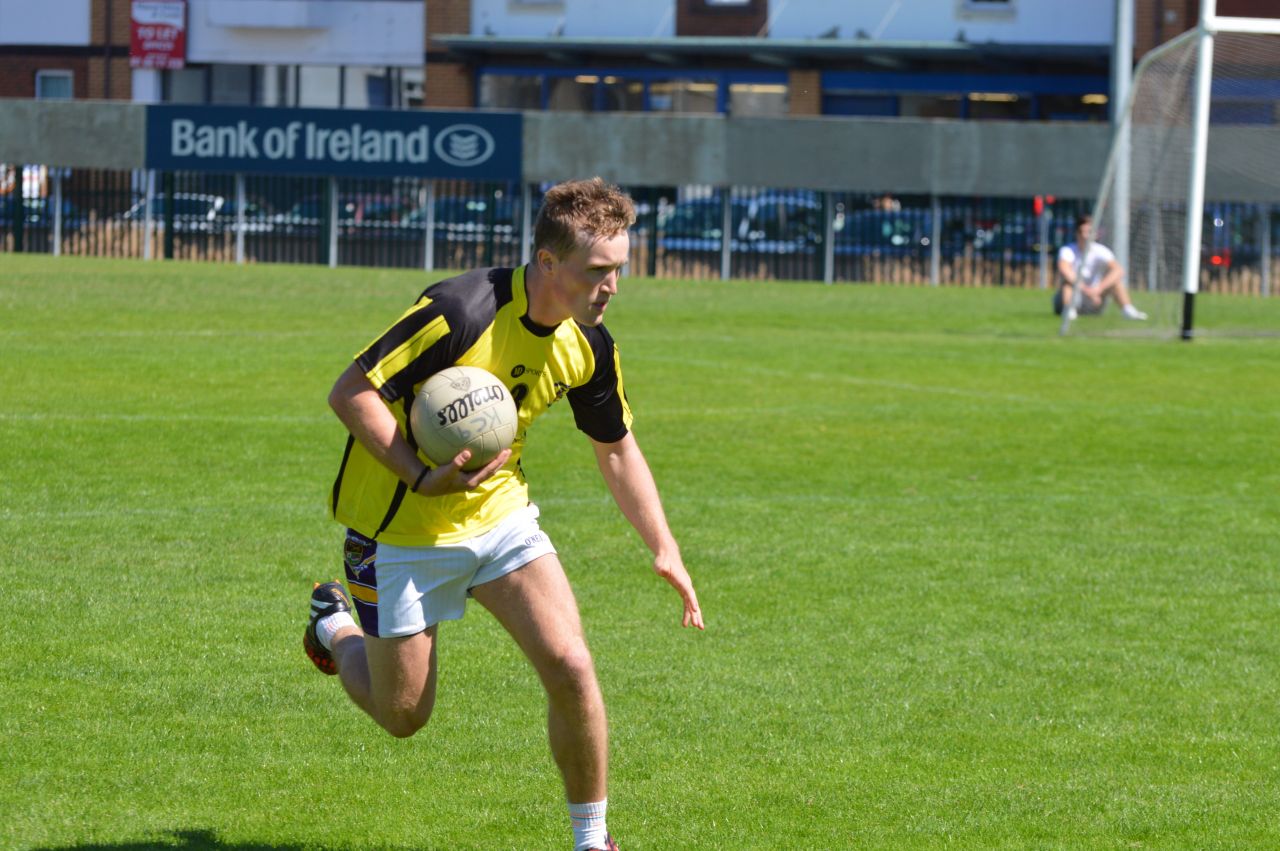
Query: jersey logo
x=519, y=392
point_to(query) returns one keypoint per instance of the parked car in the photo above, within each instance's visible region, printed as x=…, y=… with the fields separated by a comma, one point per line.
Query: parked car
x=38, y=214
x=1230, y=235
x=357, y=213
x=303, y=217
x=256, y=217
x=772, y=223
x=896, y=233
x=468, y=218
x=192, y=212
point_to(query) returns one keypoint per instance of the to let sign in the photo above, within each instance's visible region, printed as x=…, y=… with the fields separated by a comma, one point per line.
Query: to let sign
x=158, y=36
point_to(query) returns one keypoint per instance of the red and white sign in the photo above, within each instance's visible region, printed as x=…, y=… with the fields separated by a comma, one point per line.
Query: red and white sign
x=159, y=34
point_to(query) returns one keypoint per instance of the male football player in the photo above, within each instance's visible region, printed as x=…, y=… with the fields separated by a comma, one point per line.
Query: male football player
x=422, y=539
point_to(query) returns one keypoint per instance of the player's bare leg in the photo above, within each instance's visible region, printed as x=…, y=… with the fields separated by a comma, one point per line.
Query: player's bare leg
x=536, y=606
x=1120, y=292
x=392, y=679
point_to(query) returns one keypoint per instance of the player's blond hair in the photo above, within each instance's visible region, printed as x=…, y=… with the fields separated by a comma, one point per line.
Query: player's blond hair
x=579, y=212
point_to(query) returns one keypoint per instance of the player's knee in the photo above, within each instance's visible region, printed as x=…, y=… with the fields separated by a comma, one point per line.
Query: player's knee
x=572, y=673
x=403, y=723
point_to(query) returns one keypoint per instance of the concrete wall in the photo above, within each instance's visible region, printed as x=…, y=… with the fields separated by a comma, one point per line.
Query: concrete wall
x=79, y=134
x=862, y=155
x=900, y=155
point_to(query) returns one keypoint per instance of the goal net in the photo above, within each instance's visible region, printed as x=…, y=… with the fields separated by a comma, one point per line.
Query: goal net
x=1149, y=186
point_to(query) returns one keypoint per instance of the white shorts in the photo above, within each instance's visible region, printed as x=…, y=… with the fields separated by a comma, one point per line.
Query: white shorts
x=403, y=590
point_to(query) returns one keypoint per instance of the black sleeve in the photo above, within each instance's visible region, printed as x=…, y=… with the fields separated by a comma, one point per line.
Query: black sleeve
x=410, y=350
x=600, y=406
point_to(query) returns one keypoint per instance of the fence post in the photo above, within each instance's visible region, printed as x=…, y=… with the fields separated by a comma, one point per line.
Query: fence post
x=1043, y=239
x=726, y=232
x=490, y=224
x=654, y=201
x=18, y=201
x=332, y=251
x=828, y=238
x=429, y=248
x=167, y=184
x=148, y=198
x=1153, y=257
x=935, y=241
x=240, y=218
x=1264, y=241
x=57, y=212
x=526, y=222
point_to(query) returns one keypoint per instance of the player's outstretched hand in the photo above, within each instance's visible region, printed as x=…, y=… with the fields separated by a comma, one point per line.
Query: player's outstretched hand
x=451, y=478
x=671, y=568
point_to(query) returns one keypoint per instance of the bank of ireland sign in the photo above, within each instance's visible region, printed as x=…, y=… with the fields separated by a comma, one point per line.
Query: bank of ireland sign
x=337, y=142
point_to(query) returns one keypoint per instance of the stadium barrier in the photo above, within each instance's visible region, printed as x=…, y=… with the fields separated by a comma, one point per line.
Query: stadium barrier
x=896, y=201
x=684, y=232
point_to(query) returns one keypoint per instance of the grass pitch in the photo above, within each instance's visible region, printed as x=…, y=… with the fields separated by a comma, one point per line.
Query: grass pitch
x=967, y=584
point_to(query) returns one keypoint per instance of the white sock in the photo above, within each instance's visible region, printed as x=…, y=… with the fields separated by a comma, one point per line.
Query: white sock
x=328, y=626
x=588, y=825
x=1130, y=310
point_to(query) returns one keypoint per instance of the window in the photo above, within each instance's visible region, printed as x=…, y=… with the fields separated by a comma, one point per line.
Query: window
x=510, y=91
x=757, y=99
x=687, y=96
x=54, y=85
x=232, y=84
x=622, y=95
x=186, y=85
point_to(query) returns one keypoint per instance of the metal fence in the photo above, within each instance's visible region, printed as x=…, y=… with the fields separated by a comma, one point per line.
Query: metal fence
x=681, y=231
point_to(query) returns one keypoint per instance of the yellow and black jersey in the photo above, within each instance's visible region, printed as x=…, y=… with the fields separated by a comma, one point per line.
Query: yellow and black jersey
x=476, y=319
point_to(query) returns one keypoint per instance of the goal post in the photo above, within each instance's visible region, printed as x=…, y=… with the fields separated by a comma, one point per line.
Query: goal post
x=1196, y=146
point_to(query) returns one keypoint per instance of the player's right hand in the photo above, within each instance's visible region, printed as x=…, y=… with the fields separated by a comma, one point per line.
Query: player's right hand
x=451, y=478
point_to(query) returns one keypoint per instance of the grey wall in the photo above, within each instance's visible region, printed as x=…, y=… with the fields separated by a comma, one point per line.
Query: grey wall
x=902, y=155
x=80, y=134
x=898, y=155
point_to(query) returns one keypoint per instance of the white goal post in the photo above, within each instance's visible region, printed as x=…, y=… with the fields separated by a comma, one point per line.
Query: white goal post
x=1210, y=25
x=1152, y=201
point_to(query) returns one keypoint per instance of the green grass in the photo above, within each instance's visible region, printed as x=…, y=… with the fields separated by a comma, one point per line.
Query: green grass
x=967, y=584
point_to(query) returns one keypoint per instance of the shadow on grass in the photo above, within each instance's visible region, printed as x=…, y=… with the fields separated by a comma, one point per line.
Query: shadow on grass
x=185, y=840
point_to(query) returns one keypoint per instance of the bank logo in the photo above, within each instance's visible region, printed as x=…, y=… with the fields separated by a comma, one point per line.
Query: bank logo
x=464, y=145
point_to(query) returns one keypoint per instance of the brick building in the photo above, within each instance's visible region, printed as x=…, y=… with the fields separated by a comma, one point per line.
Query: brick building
x=737, y=57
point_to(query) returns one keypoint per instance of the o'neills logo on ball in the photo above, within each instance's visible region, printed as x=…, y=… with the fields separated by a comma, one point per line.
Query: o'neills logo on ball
x=462, y=407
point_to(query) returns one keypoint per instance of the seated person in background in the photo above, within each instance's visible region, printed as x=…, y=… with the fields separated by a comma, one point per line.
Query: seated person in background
x=1100, y=275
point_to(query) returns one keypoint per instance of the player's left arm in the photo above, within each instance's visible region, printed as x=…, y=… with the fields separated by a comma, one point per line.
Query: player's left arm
x=629, y=479
x=1114, y=274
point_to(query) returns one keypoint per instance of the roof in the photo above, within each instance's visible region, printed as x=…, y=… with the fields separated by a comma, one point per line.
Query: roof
x=777, y=53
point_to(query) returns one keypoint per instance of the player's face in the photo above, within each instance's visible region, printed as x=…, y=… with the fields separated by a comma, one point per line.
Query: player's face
x=1084, y=233
x=588, y=278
